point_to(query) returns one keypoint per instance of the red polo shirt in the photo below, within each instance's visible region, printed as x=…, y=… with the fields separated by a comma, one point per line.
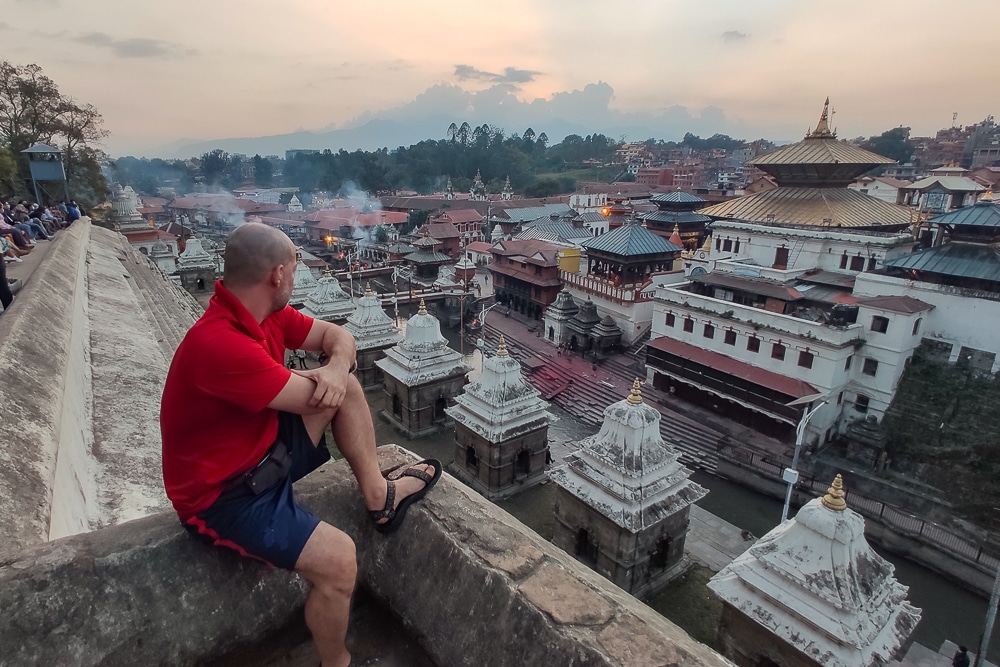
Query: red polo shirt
x=214, y=418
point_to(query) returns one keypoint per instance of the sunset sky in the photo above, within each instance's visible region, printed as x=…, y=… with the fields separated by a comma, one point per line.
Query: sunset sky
x=212, y=69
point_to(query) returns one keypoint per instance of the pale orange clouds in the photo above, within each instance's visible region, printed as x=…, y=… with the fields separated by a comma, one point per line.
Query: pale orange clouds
x=226, y=68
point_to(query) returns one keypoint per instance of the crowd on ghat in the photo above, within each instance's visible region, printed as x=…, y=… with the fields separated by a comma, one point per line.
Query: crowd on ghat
x=22, y=225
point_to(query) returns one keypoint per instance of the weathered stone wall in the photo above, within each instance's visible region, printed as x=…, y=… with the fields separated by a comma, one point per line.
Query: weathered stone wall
x=83, y=354
x=471, y=583
x=496, y=475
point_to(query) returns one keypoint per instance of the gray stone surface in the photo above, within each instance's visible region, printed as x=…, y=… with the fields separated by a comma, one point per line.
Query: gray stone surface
x=469, y=583
x=83, y=355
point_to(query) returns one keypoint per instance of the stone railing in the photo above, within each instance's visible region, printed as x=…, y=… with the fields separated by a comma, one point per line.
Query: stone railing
x=605, y=289
x=472, y=584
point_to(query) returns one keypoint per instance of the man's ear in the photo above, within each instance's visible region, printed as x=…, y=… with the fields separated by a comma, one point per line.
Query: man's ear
x=276, y=275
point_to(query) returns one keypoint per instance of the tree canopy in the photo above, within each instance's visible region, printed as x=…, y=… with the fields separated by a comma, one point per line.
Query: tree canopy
x=33, y=110
x=894, y=143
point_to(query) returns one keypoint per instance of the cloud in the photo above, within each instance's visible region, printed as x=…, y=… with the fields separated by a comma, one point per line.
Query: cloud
x=511, y=75
x=734, y=36
x=136, y=47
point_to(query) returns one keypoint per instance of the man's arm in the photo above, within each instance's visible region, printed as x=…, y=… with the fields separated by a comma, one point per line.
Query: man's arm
x=312, y=391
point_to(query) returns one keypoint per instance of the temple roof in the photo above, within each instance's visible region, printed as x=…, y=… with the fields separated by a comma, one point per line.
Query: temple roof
x=820, y=207
x=564, y=307
x=962, y=260
x=303, y=281
x=677, y=197
x=501, y=404
x=195, y=256
x=816, y=584
x=370, y=325
x=423, y=356
x=674, y=217
x=627, y=472
x=558, y=230
x=983, y=213
x=631, y=240
x=328, y=301
x=819, y=160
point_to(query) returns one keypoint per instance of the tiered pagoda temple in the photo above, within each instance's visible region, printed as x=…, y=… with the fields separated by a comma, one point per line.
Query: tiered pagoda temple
x=623, y=500
x=629, y=254
x=328, y=301
x=677, y=214
x=304, y=283
x=196, y=267
x=422, y=376
x=426, y=259
x=501, y=429
x=813, y=593
x=374, y=332
x=812, y=177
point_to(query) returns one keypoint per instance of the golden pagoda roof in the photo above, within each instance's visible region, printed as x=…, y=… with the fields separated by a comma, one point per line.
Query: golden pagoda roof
x=820, y=207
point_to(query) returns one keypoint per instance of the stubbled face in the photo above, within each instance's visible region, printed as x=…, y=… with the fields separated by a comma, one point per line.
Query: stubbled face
x=284, y=292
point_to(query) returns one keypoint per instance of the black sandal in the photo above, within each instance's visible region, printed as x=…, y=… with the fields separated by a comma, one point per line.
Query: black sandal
x=393, y=514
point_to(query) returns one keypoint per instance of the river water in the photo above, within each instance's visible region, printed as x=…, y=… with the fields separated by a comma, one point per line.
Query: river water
x=948, y=610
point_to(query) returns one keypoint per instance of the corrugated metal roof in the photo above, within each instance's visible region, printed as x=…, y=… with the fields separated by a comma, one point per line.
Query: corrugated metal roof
x=955, y=183
x=811, y=206
x=678, y=197
x=678, y=217
x=534, y=212
x=820, y=150
x=427, y=257
x=554, y=231
x=980, y=214
x=590, y=216
x=771, y=288
x=631, y=240
x=963, y=260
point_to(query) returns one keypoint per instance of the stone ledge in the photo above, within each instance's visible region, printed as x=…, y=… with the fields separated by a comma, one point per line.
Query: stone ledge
x=472, y=584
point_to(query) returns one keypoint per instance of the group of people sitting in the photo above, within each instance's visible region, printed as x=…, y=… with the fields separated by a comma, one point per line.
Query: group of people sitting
x=22, y=224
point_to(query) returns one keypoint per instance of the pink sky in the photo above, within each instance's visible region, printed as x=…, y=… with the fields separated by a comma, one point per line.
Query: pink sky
x=159, y=72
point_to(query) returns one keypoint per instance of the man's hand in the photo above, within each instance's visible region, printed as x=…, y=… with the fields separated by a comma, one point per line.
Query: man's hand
x=331, y=383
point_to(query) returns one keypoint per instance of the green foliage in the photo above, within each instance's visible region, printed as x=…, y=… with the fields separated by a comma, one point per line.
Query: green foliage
x=723, y=141
x=944, y=429
x=32, y=110
x=8, y=170
x=894, y=143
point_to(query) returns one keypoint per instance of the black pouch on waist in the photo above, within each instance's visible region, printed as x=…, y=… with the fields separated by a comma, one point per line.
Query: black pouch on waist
x=272, y=469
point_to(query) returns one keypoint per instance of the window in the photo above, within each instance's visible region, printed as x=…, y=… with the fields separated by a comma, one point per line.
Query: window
x=861, y=403
x=688, y=324
x=847, y=364
x=709, y=331
x=670, y=319
x=857, y=263
x=843, y=260
x=727, y=245
x=870, y=367
x=871, y=263
x=840, y=398
x=778, y=352
x=718, y=244
x=806, y=359
x=916, y=326
x=730, y=338
x=736, y=246
x=880, y=324
x=753, y=344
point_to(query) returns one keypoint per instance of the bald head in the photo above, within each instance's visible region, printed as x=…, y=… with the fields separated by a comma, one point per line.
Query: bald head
x=252, y=252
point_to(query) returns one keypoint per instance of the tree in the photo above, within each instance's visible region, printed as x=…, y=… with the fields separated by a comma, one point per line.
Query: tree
x=213, y=165
x=894, y=143
x=32, y=110
x=381, y=234
x=263, y=172
x=452, y=131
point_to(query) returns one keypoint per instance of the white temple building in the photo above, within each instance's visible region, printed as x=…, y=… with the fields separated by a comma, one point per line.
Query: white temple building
x=812, y=592
x=624, y=499
x=163, y=257
x=328, y=301
x=196, y=267
x=501, y=429
x=305, y=283
x=374, y=332
x=124, y=210
x=422, y=375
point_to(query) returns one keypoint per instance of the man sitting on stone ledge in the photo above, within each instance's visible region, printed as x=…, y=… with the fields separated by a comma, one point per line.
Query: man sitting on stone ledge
x=239, y=427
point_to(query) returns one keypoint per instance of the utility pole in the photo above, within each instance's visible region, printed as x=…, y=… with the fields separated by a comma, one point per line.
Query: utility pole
x=991, y=616
x=791, y=475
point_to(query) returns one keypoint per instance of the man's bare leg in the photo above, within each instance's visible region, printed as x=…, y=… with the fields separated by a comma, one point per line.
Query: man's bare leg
x=355, y=436
x=329, y=563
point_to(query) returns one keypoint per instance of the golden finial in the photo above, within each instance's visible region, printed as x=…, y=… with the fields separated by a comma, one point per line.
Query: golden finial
x=502, y=347
x=834, y=498
x=423, y=307
x=298, y=254
x=823, y=126
x=368, y=290
x=988, y=195
x=327, y=273
x=635, y=396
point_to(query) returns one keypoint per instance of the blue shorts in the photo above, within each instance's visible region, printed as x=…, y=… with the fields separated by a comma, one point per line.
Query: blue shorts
x=270, y=527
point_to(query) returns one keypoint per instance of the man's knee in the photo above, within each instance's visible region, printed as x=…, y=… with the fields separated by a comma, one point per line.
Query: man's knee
x=329, y=559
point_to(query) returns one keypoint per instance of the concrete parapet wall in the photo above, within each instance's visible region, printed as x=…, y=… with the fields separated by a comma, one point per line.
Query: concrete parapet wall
x=44, y=378
x=472, y=584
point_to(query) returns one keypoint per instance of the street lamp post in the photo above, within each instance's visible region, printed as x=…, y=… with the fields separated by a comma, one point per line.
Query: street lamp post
x=791, y=475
